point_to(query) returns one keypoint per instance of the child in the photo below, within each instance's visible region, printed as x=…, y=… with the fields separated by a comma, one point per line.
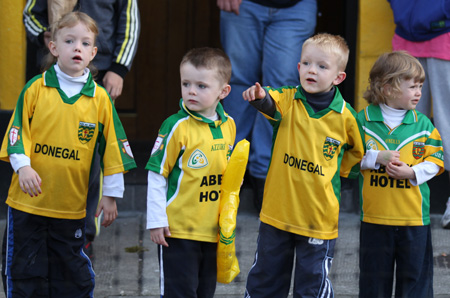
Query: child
x=185, y=171
x=404, y=150
x=316, y=138
x=60, y=119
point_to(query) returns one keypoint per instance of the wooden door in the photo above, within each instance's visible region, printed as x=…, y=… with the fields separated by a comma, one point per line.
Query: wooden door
x=169, y=28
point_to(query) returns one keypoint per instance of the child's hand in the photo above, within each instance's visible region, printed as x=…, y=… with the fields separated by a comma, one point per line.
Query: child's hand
x=29, y=181
x=386, y=156
x=109, y=208
x=400, y=170
x=157, y=235
x=254, y=92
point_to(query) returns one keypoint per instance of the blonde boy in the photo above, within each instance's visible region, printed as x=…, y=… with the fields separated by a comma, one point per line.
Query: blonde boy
x=316, y=140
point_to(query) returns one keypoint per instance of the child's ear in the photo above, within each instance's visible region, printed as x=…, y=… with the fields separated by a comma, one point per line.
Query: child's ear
x=225, y=91
x=340, y=78
x=94, y=52
x=52, y=49
x=387, y=90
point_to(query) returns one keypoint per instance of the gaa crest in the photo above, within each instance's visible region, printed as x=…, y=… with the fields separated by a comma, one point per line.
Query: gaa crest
x=85, y=132
x=159, y=144
x=14, y=135
x=418, y=149
x=126, y=148
x=329, y=147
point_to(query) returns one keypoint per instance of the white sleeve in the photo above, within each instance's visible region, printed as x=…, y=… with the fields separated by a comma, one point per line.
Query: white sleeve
x=113, y=185
x=19, y=160
x=369, y=161
x=156, y=201
x=424, y=172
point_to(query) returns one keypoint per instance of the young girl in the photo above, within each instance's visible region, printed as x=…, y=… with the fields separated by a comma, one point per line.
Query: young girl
x=404, y=150
x=61, y=117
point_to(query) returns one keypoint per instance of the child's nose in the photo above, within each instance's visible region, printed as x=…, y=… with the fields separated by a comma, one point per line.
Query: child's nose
x=312, y=69
x=77, y=46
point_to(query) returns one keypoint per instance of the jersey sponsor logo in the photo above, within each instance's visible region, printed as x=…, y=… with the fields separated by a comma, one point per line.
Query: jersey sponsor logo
x=377, y=179
x=57, y=152
x=418, y=149
x=126, y=148
x=329, y=147
x=14, y=135
x=315, y=241
x=212, y=195
x=217, y=147
x=392, y=141
x=197, y=160
x=371, y=144
x=159, y=145
x=85, y=131
x=303, y=165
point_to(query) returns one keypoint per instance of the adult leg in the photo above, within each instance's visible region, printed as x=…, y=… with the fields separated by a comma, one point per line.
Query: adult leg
x=414, y=260
x=376, y=260
x=437, y=72
x=242, y=39
x=270, y=275
x=70, y=270
x=241, y=36
x=313, y=263
x=424, y=105
x=92, y=200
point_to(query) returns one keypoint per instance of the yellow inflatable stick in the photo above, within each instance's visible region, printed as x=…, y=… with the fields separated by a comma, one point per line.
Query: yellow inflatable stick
x=227, y=262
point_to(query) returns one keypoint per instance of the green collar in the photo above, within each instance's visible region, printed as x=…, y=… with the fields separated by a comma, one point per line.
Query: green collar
x=219, y=109
x=51, y=80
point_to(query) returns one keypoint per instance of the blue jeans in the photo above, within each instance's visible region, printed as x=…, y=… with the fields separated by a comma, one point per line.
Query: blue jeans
x=264, y=45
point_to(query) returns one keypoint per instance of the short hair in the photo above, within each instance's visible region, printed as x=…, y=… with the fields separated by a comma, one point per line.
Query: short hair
x=391, y=68
x=210, y=58
x=69, y=20
x=333, y=44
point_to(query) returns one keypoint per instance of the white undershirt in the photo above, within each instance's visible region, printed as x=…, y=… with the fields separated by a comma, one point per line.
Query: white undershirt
x=71, y=85
x=392, y=118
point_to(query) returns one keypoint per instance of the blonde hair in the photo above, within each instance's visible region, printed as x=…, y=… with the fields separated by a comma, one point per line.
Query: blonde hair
x=333, y=44
x=69, y=20
x=390, y=69
x=210, y=58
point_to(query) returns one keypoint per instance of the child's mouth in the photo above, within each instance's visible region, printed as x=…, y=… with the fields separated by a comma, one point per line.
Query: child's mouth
x=77, y=58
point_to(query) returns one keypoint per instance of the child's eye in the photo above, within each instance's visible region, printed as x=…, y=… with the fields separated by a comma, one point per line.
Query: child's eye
x=322, y=66
x=305, y=63
x=86, y=44
x=184, y=84
x=69, y=41
x=201, y=86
